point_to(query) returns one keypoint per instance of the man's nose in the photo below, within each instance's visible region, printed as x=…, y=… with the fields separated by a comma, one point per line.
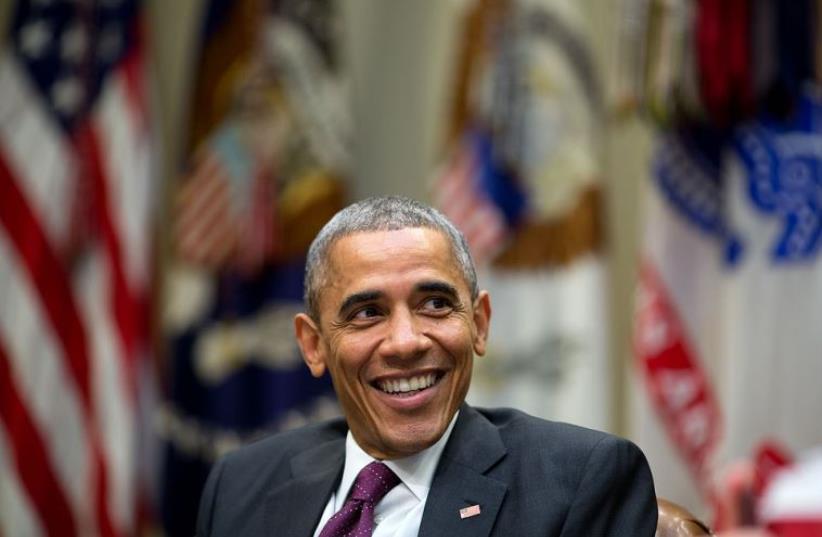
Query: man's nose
x=405, y=339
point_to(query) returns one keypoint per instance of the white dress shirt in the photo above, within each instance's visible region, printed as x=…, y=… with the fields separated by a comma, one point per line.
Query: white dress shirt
x=399, y=513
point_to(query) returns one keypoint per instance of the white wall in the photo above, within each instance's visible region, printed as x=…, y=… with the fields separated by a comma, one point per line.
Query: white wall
x=400, y=56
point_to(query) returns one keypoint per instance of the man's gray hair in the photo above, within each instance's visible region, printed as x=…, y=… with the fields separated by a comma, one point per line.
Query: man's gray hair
x=387, y=213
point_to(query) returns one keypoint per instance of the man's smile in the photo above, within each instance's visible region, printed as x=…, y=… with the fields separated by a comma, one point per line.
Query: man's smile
x=411, y=392
x=408, y=385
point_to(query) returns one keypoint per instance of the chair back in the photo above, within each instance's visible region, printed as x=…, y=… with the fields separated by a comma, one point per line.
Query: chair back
x=676, y=521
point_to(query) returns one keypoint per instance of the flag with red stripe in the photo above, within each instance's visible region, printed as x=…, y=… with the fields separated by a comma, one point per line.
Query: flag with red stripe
x=268, y=149
x=728, y=316
x=677, y=303
x=75, y=203
x=225, y=208
x=461, y=194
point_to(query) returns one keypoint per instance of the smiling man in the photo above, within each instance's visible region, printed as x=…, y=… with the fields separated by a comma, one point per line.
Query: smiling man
x=395, y=316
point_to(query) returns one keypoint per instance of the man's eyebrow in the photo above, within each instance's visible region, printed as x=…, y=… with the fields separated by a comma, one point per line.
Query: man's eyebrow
x=358, y=298
x=436, y=286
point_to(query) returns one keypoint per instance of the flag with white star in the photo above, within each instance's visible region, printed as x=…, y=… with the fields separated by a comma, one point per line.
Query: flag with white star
x=68, y=49
x=76, y=174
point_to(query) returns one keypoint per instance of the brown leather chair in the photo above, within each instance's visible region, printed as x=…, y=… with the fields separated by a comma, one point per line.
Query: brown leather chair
x=675, y=521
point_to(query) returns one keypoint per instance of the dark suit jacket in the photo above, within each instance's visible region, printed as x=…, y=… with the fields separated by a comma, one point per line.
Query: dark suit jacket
x=529, y=477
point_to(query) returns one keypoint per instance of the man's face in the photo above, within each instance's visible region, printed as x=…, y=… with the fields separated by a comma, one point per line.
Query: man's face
x=397, y=332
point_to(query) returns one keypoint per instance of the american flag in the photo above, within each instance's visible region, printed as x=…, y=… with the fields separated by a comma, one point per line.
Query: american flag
x=225, y=208
x=461, y=195
x=75, y=202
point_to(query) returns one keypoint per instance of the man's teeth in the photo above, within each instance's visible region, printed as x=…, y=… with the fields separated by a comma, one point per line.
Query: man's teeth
x=408, y=385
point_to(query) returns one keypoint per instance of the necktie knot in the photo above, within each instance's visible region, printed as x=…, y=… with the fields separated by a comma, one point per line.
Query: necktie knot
x=373, y=482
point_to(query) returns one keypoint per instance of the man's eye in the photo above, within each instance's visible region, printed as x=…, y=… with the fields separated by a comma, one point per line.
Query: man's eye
x=437, y=303
x=367, y=312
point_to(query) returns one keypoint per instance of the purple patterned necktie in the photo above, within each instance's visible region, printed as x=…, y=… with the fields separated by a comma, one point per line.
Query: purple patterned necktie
x=356, y=518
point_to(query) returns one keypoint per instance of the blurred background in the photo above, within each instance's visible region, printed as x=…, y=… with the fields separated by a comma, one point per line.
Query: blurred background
x=640, y=182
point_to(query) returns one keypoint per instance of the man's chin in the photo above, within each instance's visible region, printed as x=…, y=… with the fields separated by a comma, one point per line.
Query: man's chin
x=411, y=440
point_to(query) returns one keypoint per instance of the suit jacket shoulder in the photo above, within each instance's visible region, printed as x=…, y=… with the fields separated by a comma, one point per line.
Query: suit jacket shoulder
x=558, y=479
x=284, y=479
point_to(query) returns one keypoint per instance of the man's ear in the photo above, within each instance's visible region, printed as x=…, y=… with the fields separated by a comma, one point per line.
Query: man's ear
x=311, y=344
x=482, y=320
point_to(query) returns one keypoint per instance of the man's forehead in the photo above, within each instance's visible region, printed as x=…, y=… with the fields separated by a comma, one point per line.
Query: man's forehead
x=385, y=236
x=390, y=248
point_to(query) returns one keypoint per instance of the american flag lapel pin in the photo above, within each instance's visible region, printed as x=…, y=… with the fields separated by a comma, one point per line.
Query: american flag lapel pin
x=468, y=512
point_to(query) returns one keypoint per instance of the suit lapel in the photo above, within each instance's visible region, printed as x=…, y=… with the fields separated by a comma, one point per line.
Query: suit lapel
x=294, y=508
x=460, y=481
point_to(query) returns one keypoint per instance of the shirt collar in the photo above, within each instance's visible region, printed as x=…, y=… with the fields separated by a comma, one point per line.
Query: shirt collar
x=415, y=471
